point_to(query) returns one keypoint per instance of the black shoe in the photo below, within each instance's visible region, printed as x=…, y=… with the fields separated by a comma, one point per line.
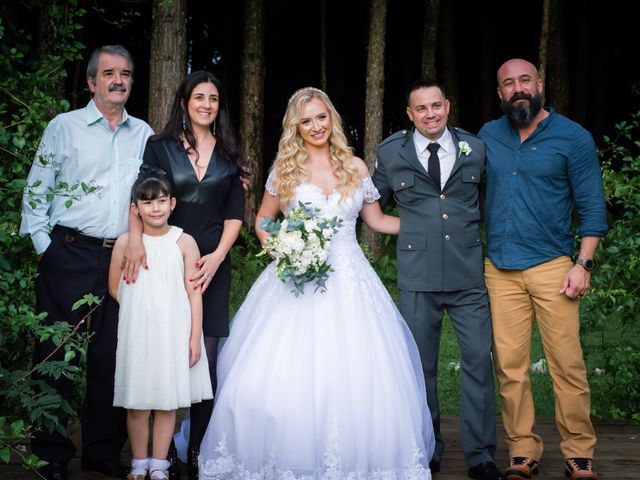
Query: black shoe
x=486, y=471
x=192, y=463
x=434, y=466
x=111, y=468
x=174, y=468
x=54, y=471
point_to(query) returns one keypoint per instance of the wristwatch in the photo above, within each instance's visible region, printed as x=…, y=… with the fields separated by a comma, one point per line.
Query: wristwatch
x=585, y=263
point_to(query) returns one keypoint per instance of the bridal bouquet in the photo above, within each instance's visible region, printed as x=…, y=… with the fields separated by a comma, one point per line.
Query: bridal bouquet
x=300, y=244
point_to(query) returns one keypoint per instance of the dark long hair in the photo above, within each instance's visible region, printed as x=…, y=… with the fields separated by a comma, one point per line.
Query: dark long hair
x=175, y=128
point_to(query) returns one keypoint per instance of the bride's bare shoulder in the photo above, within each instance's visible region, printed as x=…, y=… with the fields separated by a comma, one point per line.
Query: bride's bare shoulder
x=361, y=167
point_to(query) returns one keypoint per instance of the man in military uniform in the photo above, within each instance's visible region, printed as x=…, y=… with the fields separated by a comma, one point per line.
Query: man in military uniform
x=433, y=173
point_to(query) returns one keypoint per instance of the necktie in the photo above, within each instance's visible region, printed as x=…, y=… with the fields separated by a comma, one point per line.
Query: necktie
x=434, y=163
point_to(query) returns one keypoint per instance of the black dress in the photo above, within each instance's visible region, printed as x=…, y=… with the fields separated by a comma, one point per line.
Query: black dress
x=201, y=209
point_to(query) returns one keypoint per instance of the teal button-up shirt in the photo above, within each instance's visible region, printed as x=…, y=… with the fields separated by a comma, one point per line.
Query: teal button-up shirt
x=533, y=188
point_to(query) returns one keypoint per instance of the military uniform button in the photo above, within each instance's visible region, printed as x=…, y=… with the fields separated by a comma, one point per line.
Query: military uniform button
x=473, y=177
x=445, y=216
x=402, y=184
x=447, y=237
x=409, y=246
x=442, y=196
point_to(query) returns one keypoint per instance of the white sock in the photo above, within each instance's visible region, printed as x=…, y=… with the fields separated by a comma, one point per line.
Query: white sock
x=139, y=466
x=158, y=468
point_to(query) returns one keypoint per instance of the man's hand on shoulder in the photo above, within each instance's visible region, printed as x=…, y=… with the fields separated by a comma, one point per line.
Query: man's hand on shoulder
x=134, y=257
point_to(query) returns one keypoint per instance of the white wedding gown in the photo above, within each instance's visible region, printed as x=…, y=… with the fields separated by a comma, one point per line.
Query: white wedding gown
x=323, y=385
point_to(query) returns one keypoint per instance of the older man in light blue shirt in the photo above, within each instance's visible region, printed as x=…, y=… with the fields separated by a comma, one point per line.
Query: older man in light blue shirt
x=76, y=204
x=79, y=147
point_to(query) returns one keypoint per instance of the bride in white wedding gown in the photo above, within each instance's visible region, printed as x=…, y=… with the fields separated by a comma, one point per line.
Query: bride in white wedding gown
x=322, y=385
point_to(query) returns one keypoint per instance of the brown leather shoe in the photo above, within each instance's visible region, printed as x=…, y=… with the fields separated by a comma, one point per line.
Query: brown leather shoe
x=521, y=468
x=579, y=469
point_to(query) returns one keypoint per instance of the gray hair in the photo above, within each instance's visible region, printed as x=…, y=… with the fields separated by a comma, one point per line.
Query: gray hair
x=92, y=66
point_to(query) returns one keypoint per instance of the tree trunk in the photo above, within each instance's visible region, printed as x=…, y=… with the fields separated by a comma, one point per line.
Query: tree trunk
x=323, y=46
x=430, y=38
x=583, y=57
x=252, y=102
x=557, y=71
x=488, y=97
x=544, y=40
x=373, y=101
x=449, y=65
x=168, y=56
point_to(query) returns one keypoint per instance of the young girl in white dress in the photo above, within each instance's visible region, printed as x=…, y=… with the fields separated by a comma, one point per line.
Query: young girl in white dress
x=322, y=385
x=158, y=361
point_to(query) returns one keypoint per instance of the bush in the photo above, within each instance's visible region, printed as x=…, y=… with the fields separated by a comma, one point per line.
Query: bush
x=29, y=100
x=610, y=316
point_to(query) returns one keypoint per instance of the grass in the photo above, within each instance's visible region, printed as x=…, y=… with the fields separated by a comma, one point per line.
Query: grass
x=449, y=378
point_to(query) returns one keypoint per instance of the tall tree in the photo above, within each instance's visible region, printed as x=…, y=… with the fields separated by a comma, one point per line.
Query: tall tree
x=557, y=71
x=552, y=57
x=168, y=58
x=543, y=57
x=488, y=97
x=323, y=45
x=373, y=109
x=582, y=58
x=449, y=64
x=252, y=101
x=430, y=38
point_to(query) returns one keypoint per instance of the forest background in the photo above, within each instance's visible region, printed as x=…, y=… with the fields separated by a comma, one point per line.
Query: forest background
x=363, y=53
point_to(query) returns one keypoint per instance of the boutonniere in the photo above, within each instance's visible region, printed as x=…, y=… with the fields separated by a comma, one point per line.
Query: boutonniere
x=463, y=149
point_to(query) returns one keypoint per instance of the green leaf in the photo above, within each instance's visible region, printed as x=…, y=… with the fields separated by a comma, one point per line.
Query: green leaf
x=5, y=454
x=17, y=428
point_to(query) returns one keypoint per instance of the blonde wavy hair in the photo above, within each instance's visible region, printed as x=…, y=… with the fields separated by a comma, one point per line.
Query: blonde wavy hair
x=289, y=165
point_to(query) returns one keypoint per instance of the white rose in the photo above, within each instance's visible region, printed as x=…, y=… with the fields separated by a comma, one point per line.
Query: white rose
x=310, y=225
x=327, y=233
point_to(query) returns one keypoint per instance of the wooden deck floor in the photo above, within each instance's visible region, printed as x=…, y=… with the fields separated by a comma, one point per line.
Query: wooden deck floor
x=617, y=454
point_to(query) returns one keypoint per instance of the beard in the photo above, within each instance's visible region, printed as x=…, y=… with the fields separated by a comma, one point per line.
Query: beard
x=524, y=114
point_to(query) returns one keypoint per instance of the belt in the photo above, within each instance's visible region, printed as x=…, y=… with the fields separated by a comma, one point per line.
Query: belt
x=73, y=235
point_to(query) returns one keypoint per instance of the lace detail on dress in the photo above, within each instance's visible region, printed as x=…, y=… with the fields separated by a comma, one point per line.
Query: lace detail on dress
x=371, y=193
x=269, y=185
x=226, y=467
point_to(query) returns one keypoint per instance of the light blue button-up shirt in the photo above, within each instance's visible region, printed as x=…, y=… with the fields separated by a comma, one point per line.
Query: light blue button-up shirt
x=79, y=147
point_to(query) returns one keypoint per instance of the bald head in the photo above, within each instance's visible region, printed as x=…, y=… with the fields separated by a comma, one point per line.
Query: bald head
x=515, y=68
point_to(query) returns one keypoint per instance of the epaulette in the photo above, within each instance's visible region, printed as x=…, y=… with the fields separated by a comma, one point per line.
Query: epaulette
x=400, y=135
x=464, y=132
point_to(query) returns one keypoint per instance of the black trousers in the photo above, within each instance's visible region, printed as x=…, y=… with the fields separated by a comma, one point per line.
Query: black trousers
x=70, y=268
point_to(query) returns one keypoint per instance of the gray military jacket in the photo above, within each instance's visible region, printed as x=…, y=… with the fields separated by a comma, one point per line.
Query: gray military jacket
x=440, y=246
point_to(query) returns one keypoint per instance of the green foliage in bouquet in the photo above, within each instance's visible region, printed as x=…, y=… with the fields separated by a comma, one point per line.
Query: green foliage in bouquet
x=300, y=244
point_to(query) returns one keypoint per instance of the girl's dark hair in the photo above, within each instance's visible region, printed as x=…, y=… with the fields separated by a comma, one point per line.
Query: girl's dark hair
x=151, y=183
x=179, y=125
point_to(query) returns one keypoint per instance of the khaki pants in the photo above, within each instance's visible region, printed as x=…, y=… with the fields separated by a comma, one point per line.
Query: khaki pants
x=517, y=298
